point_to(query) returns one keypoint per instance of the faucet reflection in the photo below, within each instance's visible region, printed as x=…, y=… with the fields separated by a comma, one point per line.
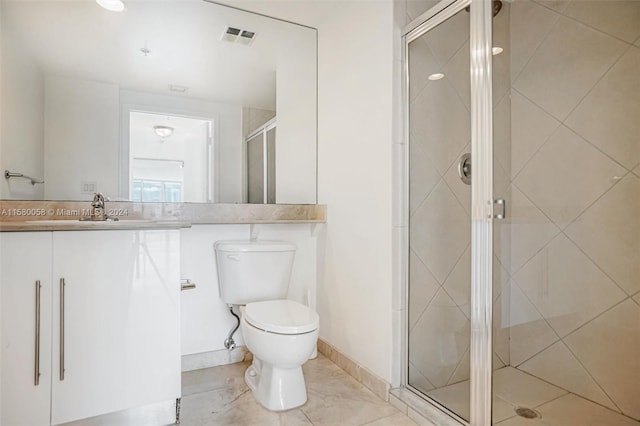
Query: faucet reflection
x=98, y=212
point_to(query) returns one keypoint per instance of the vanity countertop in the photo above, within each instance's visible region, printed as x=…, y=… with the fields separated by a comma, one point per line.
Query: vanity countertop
x=64, y=215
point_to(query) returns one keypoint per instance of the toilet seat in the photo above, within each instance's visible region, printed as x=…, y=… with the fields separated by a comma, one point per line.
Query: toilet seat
x=281, y=316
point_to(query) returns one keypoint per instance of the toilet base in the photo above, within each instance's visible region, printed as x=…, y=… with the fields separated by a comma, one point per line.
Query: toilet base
x=276, y=388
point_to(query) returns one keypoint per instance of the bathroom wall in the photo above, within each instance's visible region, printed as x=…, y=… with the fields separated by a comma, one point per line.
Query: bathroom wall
x=575, y=256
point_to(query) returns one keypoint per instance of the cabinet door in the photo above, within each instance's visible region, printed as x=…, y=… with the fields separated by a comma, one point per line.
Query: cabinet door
x=25, y=260
x=118, y=336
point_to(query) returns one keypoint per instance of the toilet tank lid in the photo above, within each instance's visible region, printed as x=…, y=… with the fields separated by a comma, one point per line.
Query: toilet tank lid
x=282, y=316
x=252, y=246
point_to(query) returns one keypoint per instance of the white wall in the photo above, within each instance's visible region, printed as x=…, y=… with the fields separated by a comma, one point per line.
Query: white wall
x=296, y=131
x=206, y=321
x=356, y=135
x=81, y=137
x=22, y=121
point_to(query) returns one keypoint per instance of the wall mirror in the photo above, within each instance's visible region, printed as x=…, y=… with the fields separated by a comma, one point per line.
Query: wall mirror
x=164, y=101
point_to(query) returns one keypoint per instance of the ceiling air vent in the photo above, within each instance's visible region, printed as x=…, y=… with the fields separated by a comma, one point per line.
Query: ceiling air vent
x=237, y=35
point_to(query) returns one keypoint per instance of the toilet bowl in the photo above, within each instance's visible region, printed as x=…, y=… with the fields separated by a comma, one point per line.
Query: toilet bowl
x=281, y=335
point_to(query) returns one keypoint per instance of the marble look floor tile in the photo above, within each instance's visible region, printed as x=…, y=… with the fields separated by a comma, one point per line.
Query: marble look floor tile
x=219, y=396
x=208, y=379
x=397, y=419
x=222, y=407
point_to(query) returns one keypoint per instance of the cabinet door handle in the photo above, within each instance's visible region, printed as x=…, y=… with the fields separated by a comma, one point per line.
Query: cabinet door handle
x=36, y=380
x=62, y=285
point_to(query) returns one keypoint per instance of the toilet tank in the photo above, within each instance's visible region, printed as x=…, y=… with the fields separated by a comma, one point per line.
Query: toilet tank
x=252, y=271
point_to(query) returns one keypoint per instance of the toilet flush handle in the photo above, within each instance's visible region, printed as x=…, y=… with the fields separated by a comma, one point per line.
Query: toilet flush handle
x=233, y=257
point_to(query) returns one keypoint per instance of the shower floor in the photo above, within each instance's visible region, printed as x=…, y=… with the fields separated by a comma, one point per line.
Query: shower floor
x=515, y=389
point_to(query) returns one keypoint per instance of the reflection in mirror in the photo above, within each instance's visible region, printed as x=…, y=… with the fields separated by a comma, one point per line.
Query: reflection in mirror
x=155, y=103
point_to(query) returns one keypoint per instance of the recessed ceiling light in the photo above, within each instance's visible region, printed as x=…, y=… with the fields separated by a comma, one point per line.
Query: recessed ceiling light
x=436, y=76
x=496, y=50
x=112, y=5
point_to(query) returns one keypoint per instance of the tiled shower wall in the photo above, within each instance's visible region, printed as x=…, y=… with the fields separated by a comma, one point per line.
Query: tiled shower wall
x=567, y=141
x=575, y=227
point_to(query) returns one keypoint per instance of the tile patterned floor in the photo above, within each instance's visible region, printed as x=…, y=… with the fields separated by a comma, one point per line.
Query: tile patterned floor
x=514, y=388
x=219, y=396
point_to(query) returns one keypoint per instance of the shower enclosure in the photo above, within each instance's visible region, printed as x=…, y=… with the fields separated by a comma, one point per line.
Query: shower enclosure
x=522, y=120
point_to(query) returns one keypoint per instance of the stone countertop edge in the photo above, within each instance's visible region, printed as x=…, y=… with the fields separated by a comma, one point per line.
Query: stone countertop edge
x=76, y=225
x=154, y=215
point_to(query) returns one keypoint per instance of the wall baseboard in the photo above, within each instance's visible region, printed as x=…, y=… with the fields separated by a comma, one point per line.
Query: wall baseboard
x=215, y=358
x=363, y=375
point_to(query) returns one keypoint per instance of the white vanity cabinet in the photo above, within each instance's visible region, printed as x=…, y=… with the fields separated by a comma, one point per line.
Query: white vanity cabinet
x=110, y=318
x=25, y=262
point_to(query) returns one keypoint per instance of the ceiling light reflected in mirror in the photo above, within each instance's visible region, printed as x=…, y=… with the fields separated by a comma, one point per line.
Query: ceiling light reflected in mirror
x=112, y=5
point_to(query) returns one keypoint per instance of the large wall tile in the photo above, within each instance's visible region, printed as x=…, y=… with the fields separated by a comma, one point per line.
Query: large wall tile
x=530, y=230
x=609, y=117
x=439, y=231
x=447, y=38
x=559, y=188
x=423, y=176
x=458, y=283
x=457, y=71
x=415, y=8
x=620, y=18
x=531, y=23
x=531, y=127
x=530, y=333
x=608, y=347
x=463, y=369
x=461, y=190
x=502, y=144
x=422, y=287
x=557, y=5
x=566, y=66
x=557, y=365
x=612, y=237
x=501, y=67
x=566, y=287
x=422, y=64
x=417, y=379
x=439, y=340
x=501, y=332
x=440, y=123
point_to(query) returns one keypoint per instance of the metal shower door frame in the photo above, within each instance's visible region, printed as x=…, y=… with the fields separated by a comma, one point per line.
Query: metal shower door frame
x=481, y=116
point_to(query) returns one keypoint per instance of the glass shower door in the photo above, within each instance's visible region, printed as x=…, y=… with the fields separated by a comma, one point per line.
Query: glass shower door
x=439, y=211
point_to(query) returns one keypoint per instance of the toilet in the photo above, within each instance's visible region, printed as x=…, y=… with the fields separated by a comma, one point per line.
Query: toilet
x=281, y=334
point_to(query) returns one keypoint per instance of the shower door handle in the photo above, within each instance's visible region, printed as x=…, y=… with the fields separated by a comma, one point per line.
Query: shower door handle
x=500, y=203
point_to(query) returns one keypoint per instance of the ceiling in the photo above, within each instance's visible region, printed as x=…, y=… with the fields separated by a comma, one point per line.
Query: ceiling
x=78, y=38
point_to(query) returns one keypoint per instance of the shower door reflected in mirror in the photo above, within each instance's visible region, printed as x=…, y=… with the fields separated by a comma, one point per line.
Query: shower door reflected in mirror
x=439, y=208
